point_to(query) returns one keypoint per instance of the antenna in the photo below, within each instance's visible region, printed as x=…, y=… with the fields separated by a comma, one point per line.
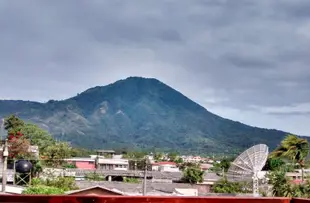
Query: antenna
x=246, y=166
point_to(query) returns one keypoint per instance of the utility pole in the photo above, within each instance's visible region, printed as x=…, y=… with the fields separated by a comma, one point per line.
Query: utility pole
x=145, y=174
x=5, y=162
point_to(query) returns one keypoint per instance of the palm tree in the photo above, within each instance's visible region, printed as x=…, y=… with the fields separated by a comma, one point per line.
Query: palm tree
x=293, y=148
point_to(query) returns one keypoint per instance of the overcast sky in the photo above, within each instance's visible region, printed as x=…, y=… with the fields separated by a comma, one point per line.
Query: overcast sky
x=246, y=60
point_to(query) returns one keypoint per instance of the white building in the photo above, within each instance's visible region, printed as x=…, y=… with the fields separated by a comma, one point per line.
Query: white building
x=113, y=164
x=192, y=159
x=165, y=166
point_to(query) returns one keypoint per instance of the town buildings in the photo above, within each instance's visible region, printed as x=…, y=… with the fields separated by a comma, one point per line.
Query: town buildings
x=165, y=166
x=82, y=163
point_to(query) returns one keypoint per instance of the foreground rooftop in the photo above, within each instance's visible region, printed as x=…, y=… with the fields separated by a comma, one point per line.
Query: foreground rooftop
x=145, y=199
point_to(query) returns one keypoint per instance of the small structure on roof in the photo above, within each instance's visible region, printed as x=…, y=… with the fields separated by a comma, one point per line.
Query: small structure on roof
x=105, y=153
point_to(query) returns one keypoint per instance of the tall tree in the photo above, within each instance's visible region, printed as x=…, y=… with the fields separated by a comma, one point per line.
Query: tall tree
x=294, y=148
x=273, y=164
x=192, y=175
x=18, y=146
x=13, y=124
x=55, y=154
x=37, y=136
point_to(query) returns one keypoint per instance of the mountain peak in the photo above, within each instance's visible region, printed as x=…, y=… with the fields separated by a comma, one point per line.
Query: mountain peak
x=139, y=112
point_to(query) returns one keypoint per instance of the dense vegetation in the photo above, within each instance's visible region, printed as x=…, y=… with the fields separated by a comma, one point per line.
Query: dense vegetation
x=291, y=154
x=139, y=113
x=55, y=186
x=21, y=135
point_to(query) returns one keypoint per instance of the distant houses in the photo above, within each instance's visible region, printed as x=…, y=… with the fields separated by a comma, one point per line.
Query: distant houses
x=165, y=166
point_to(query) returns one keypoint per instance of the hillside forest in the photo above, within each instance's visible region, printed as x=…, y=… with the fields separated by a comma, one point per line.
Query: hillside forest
x=290, y=155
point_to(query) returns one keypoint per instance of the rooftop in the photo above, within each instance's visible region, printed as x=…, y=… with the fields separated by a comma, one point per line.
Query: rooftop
x=154, y=174
x=164, y=163
x=133, y=188
x=105, y=151
x=80, y=159
x=141, y=199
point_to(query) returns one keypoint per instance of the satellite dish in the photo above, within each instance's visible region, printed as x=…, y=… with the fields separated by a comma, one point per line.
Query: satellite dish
x=247, y=166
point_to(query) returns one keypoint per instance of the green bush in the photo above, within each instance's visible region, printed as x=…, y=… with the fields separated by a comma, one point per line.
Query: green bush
x=65, y=183
x=94, y=177
x=69, y=165
x=36, y=181
x=192, y=175
x=224, y=186
x=43, y=190
x=131, y=180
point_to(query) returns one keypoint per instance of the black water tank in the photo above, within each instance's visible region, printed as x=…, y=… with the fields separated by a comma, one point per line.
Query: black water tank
x=23, y=166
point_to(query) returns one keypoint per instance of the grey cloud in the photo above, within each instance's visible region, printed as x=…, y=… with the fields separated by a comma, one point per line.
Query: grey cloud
x=290, y=113
x=242, y=52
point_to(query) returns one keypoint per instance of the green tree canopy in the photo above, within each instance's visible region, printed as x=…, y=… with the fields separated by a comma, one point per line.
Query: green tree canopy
x=55, y=186
x=13, y=124
x=43, y=190
x=293, y=148
x=182, y=166
x=54, y=154
x=37, y=136
x=283, y=187
x=192, y=175
x=273, y=164
x=135, y=155
x=224, y=186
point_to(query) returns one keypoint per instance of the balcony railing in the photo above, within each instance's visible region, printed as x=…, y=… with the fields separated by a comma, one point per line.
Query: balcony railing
x=131, y=199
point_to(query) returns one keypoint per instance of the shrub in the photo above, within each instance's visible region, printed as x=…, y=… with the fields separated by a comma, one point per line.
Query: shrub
x=224, y=186
x=94, y=176
x=192, y=175
x=131, y=180
x=43, y=190
x=65, y=183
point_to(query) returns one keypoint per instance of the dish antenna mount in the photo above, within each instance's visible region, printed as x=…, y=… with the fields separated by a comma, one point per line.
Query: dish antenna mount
x=246, y=166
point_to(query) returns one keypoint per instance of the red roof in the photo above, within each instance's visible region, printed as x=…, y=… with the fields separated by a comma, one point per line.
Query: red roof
x=164, y=163
x=297, y=181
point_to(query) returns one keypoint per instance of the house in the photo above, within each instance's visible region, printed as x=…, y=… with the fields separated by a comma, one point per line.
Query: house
x=96, y=190
x=82, y=163
x=210, y=178
x=113, y=164
x=205, y=167
x=194, y=159
x=294, y=175
x=105, y=153
x=165, y=166
x=34, y=149
x=152, y=189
